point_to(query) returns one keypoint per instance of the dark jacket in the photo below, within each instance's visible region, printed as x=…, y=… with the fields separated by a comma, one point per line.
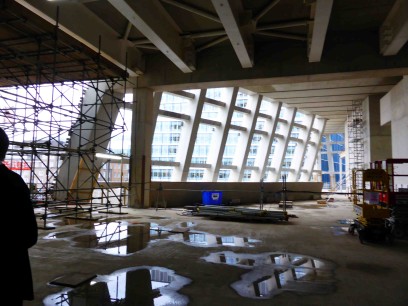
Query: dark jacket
x=20, y=232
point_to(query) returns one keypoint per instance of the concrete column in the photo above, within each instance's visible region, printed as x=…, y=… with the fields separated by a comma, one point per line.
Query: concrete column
x=300, y=149
x=394, y=110
x=265, y=146
x=283, y=140
x=157, y=100
x=346, y=150
x=245, y=140
x=220, y=136
x=330, y=162
x=377, y=138
x=141, y=147
x=313, y=149
x=188, y=137
x=91, y=134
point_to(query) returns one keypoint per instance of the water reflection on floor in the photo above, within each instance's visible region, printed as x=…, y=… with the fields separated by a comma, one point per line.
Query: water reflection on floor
x=131, y=286
x=273, y=273
x=62, y=235
x=116, y=238
x=266, y=274
x=128, y=237
x=209, y=240
x=339, y=230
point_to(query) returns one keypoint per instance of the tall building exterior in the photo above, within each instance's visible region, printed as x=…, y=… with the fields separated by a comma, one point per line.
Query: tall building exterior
x=333, y=162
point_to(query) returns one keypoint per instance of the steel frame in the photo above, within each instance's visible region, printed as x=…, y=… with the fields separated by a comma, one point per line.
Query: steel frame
x=42, y=114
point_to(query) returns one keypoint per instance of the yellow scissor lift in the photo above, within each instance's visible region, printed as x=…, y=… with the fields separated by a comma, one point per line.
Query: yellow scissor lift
x=372, y=211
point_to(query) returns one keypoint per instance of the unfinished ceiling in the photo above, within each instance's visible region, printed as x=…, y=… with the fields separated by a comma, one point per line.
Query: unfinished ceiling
x=112, y=36
x=33, y=51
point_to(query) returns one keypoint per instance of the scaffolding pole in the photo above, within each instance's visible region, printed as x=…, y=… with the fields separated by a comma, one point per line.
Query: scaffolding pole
x=356, y=146
x=56, y=132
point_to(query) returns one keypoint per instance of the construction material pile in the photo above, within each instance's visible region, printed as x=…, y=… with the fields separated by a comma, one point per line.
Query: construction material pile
x=239, y=213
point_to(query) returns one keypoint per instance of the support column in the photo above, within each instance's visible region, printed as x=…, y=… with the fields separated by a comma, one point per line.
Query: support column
x=219, y=138
x=301, y=148
x=394, y=110
x=330, y=162
x=188, y=137
x=264, y=150
x=313, y=150
x=245, y=140
x=282, y=142
x=377, y=145
x=90, y=134
x=141, y=147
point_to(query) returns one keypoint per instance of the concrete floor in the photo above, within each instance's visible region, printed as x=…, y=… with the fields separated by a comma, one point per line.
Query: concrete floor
x=353, y=273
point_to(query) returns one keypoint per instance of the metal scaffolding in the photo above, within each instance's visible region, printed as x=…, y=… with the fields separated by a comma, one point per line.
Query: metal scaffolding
x=356, y=145
x=61, y=122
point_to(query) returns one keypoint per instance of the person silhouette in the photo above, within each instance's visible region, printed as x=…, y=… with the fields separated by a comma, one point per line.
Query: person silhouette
x=20, y=232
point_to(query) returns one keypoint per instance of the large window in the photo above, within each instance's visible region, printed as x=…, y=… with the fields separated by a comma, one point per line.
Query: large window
x=238, y=146
x=333, y=163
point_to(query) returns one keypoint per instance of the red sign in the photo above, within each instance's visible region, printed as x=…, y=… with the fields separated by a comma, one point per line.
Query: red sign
x=16, y=165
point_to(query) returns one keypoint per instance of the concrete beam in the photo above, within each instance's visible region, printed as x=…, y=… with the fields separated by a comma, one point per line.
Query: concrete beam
x=152, y=21
x=355, y=58
x=331, y=113
x=329, y=92
x=321, y=10
x=193, y=9
x=326, y=99
x=394, y=30
x=323, y=104
x=80, y=23
x=341, y=83
x=317, y=106
x=230, y=13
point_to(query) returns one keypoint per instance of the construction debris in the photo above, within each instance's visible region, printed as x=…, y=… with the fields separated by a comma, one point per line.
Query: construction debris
x=238, y=213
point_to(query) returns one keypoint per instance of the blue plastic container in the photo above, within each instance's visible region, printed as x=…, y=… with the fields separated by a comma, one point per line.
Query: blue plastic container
x=212, y=197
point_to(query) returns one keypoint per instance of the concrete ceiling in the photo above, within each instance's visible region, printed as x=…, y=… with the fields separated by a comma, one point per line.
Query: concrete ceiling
x=320, y=56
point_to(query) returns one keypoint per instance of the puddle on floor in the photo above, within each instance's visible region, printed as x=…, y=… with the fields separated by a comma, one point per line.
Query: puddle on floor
x=115, y=238
x=132, y=286
x=98, y=218
x=273, y=273
x=203, y=239
x=62, y=235
x=120, y=238
x=339, y=230
x=123, y=238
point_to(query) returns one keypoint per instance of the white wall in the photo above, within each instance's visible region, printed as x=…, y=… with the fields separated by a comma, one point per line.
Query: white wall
x=395, y=102
x=377, y=137
x=394, y=108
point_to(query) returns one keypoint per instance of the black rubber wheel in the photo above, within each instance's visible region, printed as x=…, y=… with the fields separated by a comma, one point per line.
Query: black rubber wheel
x=352, y=229
x=361, y=236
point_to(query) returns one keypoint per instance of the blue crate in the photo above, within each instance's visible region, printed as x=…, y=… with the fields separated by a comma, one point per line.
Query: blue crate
x=212, y=197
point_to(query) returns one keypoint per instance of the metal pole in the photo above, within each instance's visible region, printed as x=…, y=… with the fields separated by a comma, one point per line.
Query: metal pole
x=261, y=195
x=284, y=192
